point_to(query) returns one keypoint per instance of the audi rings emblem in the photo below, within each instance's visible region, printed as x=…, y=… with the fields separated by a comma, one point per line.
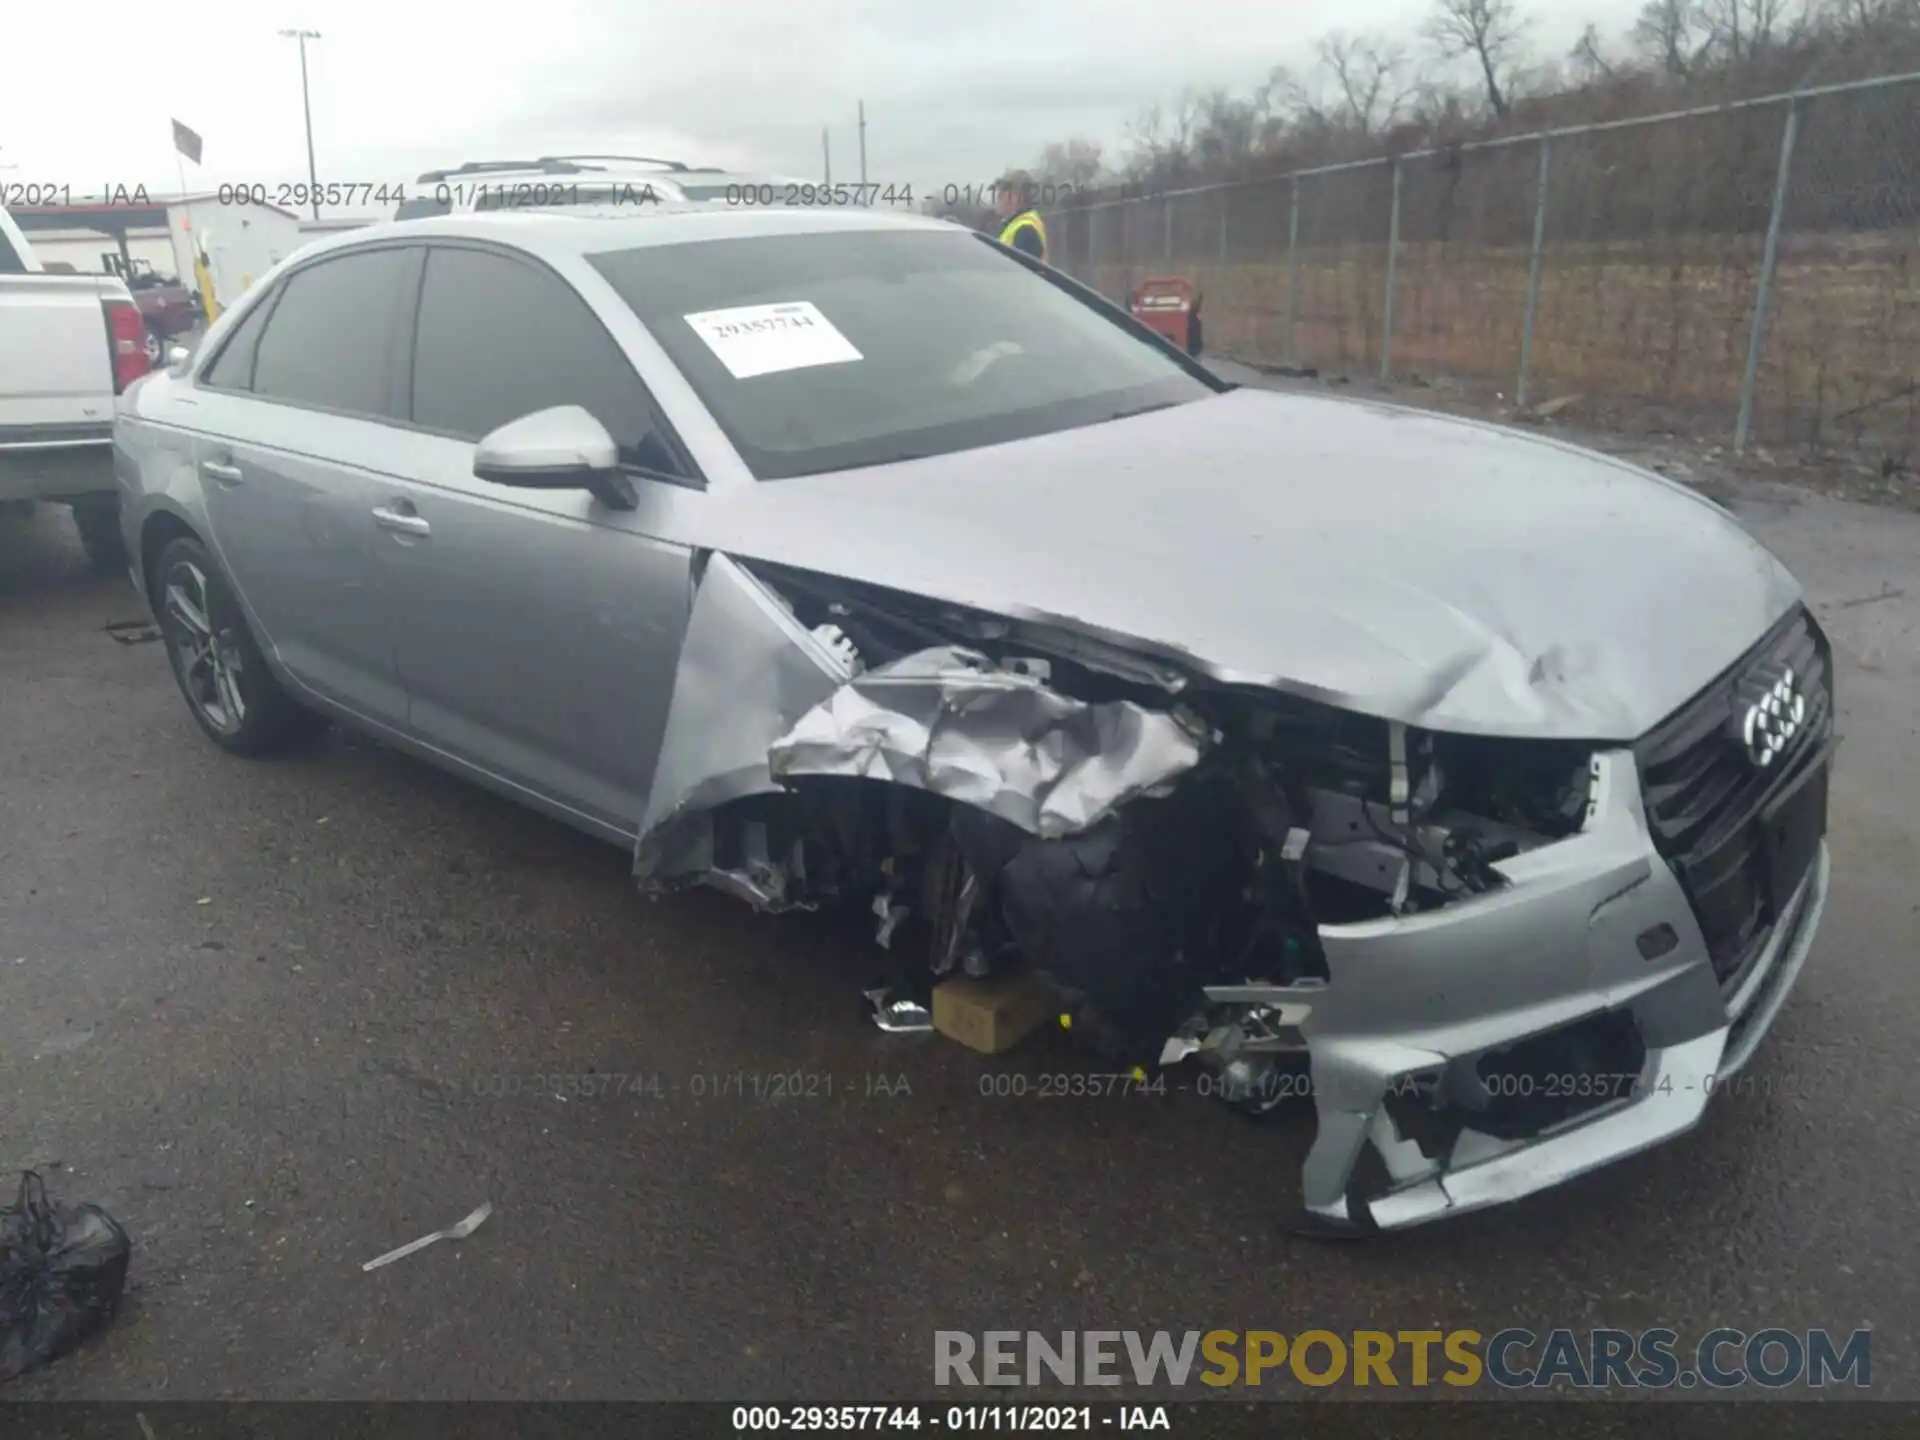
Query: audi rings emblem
x=1773, y=720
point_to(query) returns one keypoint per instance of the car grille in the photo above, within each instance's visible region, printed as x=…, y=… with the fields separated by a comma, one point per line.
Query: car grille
x=1703, y=794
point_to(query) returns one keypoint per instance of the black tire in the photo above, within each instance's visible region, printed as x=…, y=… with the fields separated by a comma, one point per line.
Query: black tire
x=229, y=690
x=97, y=518
x=1107, y=915
x=1193, y=337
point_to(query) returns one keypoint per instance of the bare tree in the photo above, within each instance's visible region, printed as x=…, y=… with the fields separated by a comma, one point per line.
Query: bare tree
x=1741, y=29
x=1284, y=99
x=1360, y=87
x=1161, y=143
x=1371, y=79
x=1287, y=111
x=1226, y=132
x=1439, y=114
x=1868, y=19
x=1587, y=60
x=1186, y=123
x=1489, y=34
x=1076, y=162
x=1147, y=143
x=1674, y=35
x=1361, y=94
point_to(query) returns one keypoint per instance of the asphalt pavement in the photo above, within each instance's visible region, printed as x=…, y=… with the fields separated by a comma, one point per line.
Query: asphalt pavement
x=280, y=1017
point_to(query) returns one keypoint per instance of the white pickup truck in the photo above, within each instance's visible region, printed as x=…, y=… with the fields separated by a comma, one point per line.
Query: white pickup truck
x=69, y=345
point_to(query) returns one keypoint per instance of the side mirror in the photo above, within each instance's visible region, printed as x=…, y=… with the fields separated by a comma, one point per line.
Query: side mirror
x=563, y=448
x=177, y=355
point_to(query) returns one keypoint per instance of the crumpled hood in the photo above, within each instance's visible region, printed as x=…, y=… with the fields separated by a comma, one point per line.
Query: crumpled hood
x=1415, y=567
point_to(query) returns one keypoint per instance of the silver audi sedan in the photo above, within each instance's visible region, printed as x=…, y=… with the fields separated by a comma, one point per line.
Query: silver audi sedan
x=1470, y=783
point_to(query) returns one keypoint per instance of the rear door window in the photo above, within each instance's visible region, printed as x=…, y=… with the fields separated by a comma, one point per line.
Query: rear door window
x=333, y=335
x=232, y=368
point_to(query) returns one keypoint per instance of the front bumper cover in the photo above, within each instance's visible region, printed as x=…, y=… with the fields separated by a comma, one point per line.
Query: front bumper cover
x=1412, y=998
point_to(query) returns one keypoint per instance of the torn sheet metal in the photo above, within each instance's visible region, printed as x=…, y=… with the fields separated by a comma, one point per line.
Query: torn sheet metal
x=748, y=670
x=946, y=720
x=898, y=1013
x=760, y=878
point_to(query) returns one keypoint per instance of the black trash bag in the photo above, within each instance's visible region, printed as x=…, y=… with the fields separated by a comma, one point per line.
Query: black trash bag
x=61, y=1273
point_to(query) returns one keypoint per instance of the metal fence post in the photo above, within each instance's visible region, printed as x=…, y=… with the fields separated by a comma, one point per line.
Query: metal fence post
x=1293, y=270
x=1757, y=339
x=1130, y=243
x=1113, y=248
x=1533, y=276
x=1393, y=262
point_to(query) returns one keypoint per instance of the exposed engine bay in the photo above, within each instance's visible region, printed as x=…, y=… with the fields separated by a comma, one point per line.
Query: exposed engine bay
x=1149, y=841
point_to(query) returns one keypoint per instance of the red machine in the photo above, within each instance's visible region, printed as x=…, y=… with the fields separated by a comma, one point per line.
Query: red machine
x=1170, y=306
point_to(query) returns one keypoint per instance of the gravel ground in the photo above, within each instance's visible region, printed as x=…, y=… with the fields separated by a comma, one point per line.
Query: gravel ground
x=265, y=1013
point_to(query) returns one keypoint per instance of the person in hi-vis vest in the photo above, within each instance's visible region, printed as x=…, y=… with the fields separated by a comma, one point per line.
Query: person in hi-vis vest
x=1020, y=223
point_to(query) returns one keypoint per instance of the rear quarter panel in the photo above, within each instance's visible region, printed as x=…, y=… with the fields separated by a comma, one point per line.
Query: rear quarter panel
x=153, y=460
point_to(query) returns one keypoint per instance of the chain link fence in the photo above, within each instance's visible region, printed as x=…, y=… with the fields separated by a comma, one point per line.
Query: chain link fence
x=1749, y=269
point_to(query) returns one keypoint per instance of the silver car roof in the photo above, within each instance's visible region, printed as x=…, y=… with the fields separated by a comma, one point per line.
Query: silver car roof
x=593, y=230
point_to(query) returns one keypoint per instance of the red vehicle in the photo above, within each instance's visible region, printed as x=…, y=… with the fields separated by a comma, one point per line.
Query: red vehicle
x=168, y=307
x=1170, y=306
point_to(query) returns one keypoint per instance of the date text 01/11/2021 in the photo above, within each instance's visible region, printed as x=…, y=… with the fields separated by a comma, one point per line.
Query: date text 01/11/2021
x=960, y=1419
x=1038, y=194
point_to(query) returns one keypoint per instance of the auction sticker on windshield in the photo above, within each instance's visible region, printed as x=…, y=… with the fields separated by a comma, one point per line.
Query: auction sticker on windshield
x=761, y=339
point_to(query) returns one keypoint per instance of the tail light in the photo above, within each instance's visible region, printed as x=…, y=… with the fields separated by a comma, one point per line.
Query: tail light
x=127, y=340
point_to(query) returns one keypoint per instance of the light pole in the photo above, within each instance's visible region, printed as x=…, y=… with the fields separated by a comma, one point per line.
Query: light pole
x=306, y=104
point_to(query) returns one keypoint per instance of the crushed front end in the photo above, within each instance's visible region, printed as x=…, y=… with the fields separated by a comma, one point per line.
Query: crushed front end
x=1493, y=963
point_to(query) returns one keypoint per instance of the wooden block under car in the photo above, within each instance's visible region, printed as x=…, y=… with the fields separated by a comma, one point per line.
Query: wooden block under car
x=993, y=1014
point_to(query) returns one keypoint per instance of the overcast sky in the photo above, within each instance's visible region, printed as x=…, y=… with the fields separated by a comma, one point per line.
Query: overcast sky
x=954, y=91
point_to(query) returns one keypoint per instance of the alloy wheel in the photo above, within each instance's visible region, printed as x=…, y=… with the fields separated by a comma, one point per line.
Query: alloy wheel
x=205, y=648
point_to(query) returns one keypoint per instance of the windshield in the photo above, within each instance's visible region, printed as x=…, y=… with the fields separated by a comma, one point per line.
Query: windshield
x=832, y=350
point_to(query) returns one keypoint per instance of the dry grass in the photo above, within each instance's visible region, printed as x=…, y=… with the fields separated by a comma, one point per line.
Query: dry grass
x=1653, y=334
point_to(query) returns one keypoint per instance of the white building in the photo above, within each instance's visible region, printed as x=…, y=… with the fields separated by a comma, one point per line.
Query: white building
x=86, y=250
x=243, y=240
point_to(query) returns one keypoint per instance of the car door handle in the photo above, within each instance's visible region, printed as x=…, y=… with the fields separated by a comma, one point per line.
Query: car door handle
x=219, y=470
x=405, y=524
